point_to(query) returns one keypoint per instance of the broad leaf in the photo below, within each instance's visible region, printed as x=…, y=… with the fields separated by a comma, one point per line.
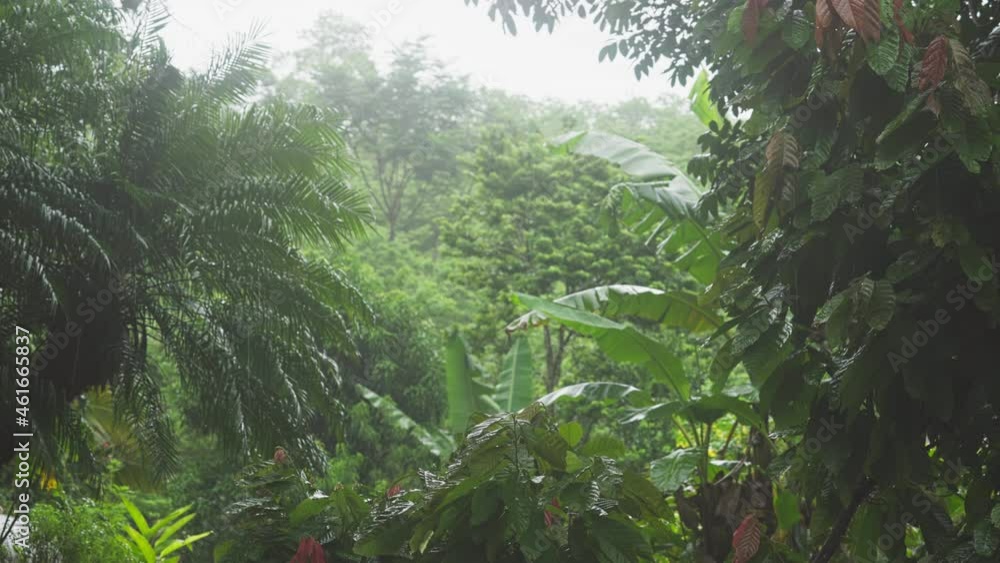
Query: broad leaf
x=434, y=440
x=672, y=471
x=864, y=16
x=635, y=159
x=466, y=391
x=934, y=64
x=701, y=102
x=746, y=539
x=141, y=544
x=515, y=390
x=596, y=391
x=171, y=530
x=620, y=342
x=137, y=517
x=179, y=544
x=677, y=309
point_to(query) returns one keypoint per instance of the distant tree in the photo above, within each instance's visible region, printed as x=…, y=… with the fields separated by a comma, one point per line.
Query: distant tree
x=531, y=224
x=402, y=124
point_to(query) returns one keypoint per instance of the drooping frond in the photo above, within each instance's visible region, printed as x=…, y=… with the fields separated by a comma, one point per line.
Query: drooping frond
x=140, y=203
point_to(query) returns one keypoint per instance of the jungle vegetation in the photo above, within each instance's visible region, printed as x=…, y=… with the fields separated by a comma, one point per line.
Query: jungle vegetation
x=351, y=311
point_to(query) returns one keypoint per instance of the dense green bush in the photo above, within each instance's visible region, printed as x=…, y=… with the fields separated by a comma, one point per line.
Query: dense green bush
x=78, y=531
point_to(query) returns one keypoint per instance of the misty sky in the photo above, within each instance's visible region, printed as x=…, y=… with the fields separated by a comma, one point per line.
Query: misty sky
x=562, y=65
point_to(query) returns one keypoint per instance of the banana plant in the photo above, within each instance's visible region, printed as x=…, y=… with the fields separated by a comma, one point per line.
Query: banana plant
x=436, y=440
x=702, y=460
x=660, y=203
x=468, y=392
x=156, y=543
x=663, y=204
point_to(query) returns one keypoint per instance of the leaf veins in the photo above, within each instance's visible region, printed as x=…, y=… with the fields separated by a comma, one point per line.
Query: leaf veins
x=862, y=16
x=934, y=64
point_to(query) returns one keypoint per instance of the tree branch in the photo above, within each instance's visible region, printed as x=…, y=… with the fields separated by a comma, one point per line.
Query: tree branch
x=832, y=542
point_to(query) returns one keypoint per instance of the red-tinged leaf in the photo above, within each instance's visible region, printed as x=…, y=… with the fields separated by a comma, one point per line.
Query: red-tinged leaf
x=863, y=16
x=751, y=19
x=310, y=551
x=935, y=63
x=550, y=518
x=897, y=15
x=746, y=539
x=393, y=491
x=824, y=20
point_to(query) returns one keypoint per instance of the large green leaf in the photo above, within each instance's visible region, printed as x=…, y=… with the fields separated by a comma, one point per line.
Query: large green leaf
x=186, y=542
x=648, y=207
x=664, y=200
x=661, y=411
x=635, y=159
x=436, y=442
x=704, y=409
x=172, y=529
x=711, y=408
x=678, y=309
x=786, y=508
x=466, y=391
x=170, y=518
x=141, y=544
x=594, y=391
x=620, y=342
x=701, y=101
x=670, y=472
x=137, y=517
x=515, y=390
x=665, y=214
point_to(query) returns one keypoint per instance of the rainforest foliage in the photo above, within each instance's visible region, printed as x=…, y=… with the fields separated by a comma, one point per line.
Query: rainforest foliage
x=344, y=310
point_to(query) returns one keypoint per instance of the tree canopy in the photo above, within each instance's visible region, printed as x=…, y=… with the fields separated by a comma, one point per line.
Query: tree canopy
x=577, y=340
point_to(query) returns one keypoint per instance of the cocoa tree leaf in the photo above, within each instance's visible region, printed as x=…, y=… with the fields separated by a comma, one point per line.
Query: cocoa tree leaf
x=782, y=150
x=934, y=63
x=882, y=57
x=824, y=20
x=897, y=16
x=751, y=20
x=863, y=16
x=795, y=32
x=746, y=540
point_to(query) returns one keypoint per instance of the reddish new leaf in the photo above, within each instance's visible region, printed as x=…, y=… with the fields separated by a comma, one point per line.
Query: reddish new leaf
x=746, y=540
x=751, y=19
x=310, y=551
x=897, y=15
x=550, y=518
x=935, y=63
x=393, y=491
x=863, y=16
x=824, y=20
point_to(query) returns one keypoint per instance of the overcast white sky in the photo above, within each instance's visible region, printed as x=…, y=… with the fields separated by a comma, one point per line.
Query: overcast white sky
x=562, y=65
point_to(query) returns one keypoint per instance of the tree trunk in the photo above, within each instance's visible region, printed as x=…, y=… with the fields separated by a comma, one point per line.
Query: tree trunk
x=554, y=352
